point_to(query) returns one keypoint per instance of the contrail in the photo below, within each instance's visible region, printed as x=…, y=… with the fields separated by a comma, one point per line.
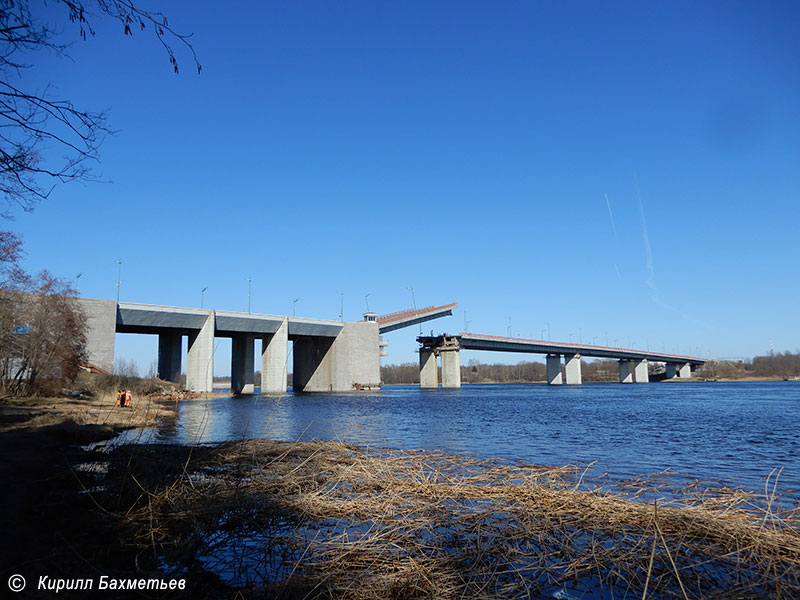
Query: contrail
x=614, y=229
x=651, y=277
x=648, y=250
x=611, y=216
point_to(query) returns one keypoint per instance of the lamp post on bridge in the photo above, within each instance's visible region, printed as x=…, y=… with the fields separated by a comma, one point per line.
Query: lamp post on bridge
x=202, y=294
x=249, y=289
x=119, y=276
x=414, y=304
x=77, y=291
x=341, y=306
x=294, y=303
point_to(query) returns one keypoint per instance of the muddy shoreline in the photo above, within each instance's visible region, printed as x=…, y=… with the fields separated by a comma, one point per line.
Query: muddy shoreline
x=50, y=525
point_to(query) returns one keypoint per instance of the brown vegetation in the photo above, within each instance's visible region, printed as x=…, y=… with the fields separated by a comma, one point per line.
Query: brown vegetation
x=42, y=329
x=322, y=520
x=774, y=366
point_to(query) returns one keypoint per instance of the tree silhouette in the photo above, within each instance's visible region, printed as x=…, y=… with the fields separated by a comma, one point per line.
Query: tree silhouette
x=46, y=140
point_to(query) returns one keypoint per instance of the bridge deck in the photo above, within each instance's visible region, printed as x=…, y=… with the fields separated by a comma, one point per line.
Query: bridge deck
x=474, y=341
x=410, y=316
x=153, y=319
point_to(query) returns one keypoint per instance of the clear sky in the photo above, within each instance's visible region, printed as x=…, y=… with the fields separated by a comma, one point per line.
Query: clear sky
x=619, y=171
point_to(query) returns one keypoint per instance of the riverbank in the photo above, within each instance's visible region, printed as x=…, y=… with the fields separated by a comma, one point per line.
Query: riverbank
x=323, y=519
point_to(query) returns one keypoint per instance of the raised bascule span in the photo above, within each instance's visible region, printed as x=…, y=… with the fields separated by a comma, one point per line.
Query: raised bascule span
x=633, y=364
x=413, y=316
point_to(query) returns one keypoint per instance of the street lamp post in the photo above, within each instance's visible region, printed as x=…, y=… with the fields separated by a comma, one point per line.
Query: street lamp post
x=249, y=289
x=78, y=276
x=294, y=303
x=202, y=293
x=414, y=304
x=341, y=306
x=119, y=276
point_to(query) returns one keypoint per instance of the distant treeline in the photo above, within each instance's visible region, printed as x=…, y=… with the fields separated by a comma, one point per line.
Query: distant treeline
x=780, y=365
x=475, y=372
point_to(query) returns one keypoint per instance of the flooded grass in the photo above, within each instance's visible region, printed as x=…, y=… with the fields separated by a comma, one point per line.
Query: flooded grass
x=325, y=519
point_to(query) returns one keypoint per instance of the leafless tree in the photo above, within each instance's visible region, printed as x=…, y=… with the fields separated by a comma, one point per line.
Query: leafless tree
x=46, y=140
x=43, y=335
x=42, y=328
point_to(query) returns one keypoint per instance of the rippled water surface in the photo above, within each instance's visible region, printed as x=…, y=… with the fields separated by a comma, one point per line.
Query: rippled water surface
x=733, y=432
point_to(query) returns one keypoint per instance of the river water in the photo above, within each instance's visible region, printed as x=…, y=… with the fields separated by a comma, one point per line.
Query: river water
x=729, y=433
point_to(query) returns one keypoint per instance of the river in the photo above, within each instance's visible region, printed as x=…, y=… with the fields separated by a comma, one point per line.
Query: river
x=724, y=433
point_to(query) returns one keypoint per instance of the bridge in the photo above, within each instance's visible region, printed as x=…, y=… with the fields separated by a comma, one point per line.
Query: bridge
x=329, y=356
x=413, y=316
x=633, y=364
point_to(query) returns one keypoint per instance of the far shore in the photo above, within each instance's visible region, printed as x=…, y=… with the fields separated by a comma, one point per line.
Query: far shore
x=673, y=380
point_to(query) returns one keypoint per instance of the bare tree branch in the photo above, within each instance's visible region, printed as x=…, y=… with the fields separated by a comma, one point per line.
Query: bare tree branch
x=44, y=141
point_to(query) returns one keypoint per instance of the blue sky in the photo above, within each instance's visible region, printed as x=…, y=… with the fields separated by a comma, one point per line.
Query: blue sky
x=629, y=168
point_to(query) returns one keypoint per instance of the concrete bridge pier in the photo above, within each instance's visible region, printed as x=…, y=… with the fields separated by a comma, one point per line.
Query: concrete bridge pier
x=428, y=371
x=625, y=371
x=451, y=368
x=573, y=368
x=200, y=358
x=242, y=364
x=680, y=370
x=169, y=356
x=274, y=355
x=554, y=369
x=349, y=362
x=640, y=374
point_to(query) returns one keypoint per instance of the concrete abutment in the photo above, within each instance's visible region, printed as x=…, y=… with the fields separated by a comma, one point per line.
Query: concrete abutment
x=349, y=362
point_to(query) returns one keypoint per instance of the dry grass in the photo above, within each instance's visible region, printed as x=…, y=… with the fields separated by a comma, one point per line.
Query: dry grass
x=330, y=520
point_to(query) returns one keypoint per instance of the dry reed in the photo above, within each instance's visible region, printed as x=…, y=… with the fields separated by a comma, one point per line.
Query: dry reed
x=331, y=520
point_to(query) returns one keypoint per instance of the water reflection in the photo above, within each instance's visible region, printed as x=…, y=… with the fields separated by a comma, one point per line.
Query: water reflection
x=736, y=432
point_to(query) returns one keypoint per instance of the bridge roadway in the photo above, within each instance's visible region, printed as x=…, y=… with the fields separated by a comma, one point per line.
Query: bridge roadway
x=633, y=364
x=413, y=316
